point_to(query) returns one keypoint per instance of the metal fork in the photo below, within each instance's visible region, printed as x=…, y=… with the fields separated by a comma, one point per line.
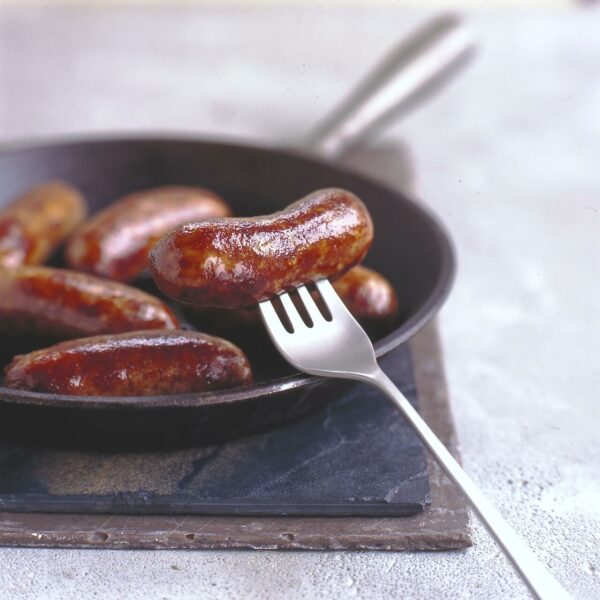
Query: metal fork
x=337, y=346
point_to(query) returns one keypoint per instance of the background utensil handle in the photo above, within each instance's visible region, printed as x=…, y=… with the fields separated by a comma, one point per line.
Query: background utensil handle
x=409, y=74
x=540, y=580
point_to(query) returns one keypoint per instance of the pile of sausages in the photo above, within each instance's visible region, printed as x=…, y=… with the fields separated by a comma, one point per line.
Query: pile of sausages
x=117, y=340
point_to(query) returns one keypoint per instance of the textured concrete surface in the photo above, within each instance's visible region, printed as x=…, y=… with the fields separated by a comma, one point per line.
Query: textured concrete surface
x=509, y=158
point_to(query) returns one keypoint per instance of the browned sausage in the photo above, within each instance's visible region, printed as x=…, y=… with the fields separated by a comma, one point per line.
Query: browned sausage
x=231, y=263
x=36, y=223
x=61, y=304
x=368, y=295
x=140, y=363
x=115, y=242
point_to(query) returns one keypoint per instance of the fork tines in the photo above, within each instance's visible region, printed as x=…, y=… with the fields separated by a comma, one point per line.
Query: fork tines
x=300, y=309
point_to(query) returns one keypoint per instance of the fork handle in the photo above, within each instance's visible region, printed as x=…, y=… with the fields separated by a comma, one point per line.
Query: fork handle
x=541, y=582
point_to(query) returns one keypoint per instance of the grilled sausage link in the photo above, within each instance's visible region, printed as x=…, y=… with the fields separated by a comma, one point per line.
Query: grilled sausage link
x=36, y=223
x=115, y=242
x=368, y=295
x=236, y=262
x=61, y=304
x=141, y=363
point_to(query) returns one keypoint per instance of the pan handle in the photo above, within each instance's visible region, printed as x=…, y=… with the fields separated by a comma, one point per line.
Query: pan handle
x=410, y=73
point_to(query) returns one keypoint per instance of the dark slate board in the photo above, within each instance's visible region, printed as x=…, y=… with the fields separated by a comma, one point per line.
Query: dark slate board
x=443, y=525
x=355, y=456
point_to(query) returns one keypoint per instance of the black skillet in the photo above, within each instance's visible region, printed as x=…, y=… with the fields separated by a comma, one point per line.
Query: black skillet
x=410, y=248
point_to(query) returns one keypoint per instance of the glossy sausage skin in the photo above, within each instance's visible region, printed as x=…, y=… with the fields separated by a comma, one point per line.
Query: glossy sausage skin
x=61, y=304
x=141, y=363
x=115, y=242
x=36, y=223
x=368, y=295
x=236, y=262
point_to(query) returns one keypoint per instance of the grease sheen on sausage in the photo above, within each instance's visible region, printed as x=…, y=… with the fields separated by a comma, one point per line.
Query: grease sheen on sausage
x=236, y=262
x=115, y=242
x=61, y=304
x=36, y=223
x=142, y=363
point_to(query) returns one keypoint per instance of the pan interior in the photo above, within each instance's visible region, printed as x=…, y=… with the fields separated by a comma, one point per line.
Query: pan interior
x=409, y=248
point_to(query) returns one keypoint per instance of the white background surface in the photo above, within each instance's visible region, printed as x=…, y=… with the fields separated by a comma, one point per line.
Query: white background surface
x=509, y=156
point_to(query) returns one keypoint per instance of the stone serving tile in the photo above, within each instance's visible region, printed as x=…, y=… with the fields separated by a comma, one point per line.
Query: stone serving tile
x=444, y=524
x=355, y=455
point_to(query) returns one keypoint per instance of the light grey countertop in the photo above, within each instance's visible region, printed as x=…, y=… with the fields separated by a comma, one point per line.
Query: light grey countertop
x=509, y=157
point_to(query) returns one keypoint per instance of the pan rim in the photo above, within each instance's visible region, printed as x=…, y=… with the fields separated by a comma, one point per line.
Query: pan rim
x=296, y=381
